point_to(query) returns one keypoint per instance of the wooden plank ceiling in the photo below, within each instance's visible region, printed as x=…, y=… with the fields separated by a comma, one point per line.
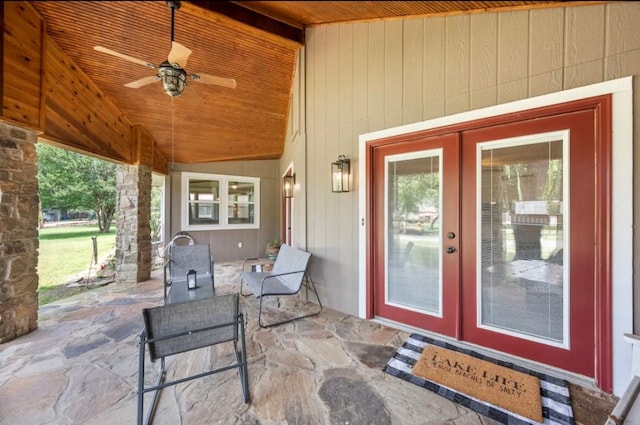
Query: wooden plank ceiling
x=254, y=42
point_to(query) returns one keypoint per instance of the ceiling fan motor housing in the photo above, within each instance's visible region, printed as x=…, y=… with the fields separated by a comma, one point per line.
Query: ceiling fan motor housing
x=173, y=79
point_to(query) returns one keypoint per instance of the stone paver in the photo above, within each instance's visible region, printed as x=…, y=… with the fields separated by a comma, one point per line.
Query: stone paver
x=81, y=365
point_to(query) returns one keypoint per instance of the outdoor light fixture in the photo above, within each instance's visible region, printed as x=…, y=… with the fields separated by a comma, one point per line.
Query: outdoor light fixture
x=287, y=185
x=192, y=282
x=340, y=175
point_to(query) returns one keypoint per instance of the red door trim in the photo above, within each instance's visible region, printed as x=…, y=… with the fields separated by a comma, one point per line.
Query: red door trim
x=604, y=290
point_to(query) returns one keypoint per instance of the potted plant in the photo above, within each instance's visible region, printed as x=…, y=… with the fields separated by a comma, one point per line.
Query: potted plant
x=273, y=247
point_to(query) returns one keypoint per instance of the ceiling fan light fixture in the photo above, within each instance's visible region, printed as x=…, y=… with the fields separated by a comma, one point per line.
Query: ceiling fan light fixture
x=174, y=80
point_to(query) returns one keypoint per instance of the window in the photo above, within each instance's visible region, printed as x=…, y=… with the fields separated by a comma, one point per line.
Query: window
x=214, y=202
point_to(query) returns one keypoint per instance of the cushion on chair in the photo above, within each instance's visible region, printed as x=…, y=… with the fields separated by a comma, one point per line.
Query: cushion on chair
x=175, y=318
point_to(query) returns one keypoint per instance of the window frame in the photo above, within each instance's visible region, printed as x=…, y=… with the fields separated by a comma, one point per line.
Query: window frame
x=223, y=201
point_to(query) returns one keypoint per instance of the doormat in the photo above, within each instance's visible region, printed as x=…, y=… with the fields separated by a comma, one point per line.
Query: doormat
x=472, y=371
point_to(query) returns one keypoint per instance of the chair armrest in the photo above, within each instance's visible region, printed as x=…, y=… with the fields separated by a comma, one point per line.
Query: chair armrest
x=282, y=274
x=273, y=276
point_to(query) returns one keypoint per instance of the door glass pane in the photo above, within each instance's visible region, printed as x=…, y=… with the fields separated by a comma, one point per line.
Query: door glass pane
x=523, y=284
x=413, y=254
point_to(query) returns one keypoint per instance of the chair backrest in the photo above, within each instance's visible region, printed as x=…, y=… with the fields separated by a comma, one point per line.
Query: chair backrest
x=190, y=257
x=162, y=322
x=291, y=260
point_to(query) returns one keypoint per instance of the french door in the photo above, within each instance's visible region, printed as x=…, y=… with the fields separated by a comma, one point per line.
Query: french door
x=418, y=284
x=496, y=235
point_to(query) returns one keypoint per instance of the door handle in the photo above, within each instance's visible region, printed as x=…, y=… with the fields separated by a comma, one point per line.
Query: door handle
x=451, y=250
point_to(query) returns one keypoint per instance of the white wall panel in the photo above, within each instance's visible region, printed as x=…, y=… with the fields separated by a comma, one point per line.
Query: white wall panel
x=360, y=55
x=346, y=77
x=513, y=56
x=393, y=66
x=584, y=34
x=457, y=54
x=546, y=51
x=333, y=76
x=375, y=73
x=412, y=70
x=434, y=67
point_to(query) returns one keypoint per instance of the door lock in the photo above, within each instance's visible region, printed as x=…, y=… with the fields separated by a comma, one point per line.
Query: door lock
x=451, y=235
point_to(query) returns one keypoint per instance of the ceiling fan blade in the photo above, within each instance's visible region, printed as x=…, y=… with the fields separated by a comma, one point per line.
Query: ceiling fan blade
x=142, y=82
x=178, y=54
x=212, y=79
x=123, y=56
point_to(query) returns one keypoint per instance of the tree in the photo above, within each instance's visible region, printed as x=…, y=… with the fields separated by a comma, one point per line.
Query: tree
x=69, y=180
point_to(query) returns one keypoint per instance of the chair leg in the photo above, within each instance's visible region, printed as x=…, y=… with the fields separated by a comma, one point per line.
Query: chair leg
x=141, y=391
x=141, y=380
x=244, y=373
x=313, y=288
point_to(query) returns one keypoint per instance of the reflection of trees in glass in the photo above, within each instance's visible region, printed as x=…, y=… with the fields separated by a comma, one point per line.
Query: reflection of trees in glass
x=553, y=188
x=532, y=181
x=416, y=190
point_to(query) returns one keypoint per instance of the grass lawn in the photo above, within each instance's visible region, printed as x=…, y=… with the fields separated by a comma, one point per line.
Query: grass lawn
x=65, y=252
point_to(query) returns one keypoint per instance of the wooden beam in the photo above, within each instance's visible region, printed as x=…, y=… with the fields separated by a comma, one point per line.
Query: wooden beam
x=253, y=19
x=21, y=72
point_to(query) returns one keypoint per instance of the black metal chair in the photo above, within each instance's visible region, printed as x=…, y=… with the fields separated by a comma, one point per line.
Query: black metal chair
x=184, y=326
x=182, y=259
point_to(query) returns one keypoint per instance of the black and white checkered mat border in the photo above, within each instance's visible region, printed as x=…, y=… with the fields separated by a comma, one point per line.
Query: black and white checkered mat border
x=556, y=404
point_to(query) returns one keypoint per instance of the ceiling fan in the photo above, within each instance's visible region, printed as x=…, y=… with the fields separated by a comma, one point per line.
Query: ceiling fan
x=171, y=72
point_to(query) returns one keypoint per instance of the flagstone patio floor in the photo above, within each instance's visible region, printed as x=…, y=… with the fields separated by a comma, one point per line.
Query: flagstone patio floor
x=81, y=367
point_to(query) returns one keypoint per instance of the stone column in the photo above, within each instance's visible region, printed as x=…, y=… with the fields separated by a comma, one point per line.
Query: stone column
x=133, y=232
x=18, y=232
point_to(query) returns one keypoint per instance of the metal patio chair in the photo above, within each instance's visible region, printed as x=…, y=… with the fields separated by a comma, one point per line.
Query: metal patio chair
x=182, y=259
x=287, y=277
x=184, y=326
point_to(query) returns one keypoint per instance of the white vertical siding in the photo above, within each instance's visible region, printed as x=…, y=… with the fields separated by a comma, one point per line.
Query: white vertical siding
x=513, y=56
x=484, y=56
x=434, y=68
x=412, y=70
x=546, y=54
x=457, y=65
x=584, y=53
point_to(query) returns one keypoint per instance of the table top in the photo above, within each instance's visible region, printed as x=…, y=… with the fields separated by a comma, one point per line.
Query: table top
x=178, y=291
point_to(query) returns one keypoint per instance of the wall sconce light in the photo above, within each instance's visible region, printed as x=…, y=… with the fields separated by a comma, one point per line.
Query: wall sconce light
x=340, y=175
x=287, y=185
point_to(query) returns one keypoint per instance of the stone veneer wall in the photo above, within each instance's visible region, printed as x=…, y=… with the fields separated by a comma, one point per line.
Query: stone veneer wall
x=19, y=205
x=133, y=231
